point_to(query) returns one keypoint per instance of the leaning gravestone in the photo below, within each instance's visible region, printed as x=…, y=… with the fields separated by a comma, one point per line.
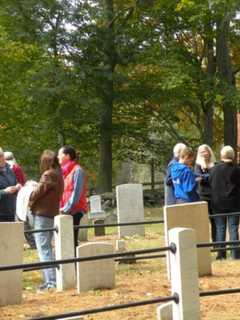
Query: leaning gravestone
x=191, y=215
x=130, y=209
x=11, y=253
x=96, y=274
x=97, y=214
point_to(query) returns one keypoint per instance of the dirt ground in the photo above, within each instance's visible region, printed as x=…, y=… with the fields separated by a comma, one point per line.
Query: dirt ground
x=141, y=281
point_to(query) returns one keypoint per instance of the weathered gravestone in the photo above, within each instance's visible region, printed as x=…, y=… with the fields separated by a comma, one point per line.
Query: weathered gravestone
x=191, y=215
x=64, y=249
x=97, y=214
x=83, y=233
x=130, y=209
x=11, y=253
x=96, y=274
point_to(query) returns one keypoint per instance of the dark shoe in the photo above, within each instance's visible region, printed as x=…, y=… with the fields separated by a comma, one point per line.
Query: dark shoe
x=220, y=257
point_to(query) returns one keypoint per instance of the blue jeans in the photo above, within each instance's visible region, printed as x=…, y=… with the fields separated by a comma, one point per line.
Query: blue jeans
x=221, y=226
x=44, y=246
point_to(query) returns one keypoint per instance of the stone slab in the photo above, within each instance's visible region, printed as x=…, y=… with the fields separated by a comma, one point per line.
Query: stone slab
x=195, y=216
x=184, y=274
x=83, y=233
x=96, y=274
x=64, y=249
x=11, y=253
x=96, y=211
x=99, y=229
x=164, y=311
x=130, y=209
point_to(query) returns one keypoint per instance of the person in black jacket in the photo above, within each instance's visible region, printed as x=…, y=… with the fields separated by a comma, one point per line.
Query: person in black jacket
x=8, y=191
x=204, y=163
x=224, y=180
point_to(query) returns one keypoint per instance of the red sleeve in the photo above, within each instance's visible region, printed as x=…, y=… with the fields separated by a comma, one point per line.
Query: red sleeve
x=20, y=176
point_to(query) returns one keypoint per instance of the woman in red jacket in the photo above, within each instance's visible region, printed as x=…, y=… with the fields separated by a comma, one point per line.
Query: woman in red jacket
x=74, y=199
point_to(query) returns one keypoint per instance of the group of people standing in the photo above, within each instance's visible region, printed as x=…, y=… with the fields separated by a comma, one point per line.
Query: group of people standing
x=62, y=188
x=216, y=183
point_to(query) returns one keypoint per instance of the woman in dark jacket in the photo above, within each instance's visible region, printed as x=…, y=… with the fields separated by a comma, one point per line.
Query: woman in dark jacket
x=225, y=198
x=44, y=203
x=204, y=164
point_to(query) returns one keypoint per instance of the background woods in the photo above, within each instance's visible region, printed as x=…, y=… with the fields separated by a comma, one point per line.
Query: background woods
x=120, y=80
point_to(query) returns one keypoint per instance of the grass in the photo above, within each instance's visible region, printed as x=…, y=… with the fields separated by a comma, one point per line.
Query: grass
x=134, y=282
x=154, y=237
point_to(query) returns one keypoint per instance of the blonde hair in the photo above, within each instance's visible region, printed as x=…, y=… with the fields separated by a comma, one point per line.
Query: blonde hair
x=178, y=148
x=201, y=161
x=186, y=153
x=227, y=154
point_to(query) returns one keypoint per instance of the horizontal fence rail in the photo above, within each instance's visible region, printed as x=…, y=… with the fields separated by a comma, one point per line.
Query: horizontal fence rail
x=127, y=258
x=91, y=226
x=49, y=264
x=224, y=214
x=40, y=230
x=174, y=298
x=40, y=268
x=225, y=248
x=122, y=224
x=218, y=243
x=219, y=292
x=156, y=256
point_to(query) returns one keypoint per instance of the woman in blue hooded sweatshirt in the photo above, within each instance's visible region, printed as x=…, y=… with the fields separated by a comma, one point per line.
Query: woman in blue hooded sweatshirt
x=184, y=180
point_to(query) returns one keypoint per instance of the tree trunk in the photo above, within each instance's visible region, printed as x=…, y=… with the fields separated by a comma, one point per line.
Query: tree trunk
x=211, y=70
x=227, y=81
x=105, y=168
x=152, y=174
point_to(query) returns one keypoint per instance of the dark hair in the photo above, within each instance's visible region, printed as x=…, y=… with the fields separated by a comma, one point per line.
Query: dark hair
x=70, y=151
x=48, y=161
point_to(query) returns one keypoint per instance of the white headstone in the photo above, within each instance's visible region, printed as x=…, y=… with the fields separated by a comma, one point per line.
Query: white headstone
x=120, y=245
x=164, y=311
x=11, y=253
x=95, y=274
x=191, y=215
x=130, y=209
x=184, y=274
x=83, y=233
x=96, y=211
x=64, y=249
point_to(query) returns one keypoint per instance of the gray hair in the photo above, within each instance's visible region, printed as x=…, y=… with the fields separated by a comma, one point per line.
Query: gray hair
x=8, y=155
x=227, y=153
x=178, y=148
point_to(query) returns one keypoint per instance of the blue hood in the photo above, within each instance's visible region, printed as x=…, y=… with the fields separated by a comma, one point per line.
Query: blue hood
x=184, y=182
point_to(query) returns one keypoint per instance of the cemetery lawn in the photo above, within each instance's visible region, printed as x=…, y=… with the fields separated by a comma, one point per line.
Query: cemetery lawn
x=134, y=282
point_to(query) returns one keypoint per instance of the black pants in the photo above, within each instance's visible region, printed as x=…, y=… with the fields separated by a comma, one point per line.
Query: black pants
x=76, y=221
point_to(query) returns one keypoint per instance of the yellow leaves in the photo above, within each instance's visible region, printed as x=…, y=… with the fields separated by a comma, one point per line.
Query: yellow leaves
x=219, y=99
x=183, y=4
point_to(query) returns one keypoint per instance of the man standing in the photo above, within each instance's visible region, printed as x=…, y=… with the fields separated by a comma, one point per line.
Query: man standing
x=8, y=191
x=74, y=199
x=9, y=157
